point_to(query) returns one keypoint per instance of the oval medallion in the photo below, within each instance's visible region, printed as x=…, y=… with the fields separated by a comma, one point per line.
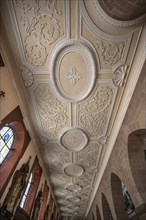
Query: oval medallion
x=73, y=71
x=73, y=170
x=74, y=139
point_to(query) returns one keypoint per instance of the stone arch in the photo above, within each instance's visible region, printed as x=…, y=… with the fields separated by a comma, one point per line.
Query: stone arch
x=118, y=199
x=98, y=216
x=106, y=209
x=93, y=218
x=137, y=159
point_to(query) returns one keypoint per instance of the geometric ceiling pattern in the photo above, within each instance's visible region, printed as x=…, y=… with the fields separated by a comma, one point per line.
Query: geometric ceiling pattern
x=74, y=61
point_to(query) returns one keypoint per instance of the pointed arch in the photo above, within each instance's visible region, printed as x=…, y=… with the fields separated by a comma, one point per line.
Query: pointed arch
x=98, y=216
x=106, y=209
x=93, y=218
x=118, y=199
x=137, y=159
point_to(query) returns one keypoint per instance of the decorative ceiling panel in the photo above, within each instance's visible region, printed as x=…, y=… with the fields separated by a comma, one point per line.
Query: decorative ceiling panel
x=74, y=68
x=40, y=24
x=94, y=113
x=52, y=113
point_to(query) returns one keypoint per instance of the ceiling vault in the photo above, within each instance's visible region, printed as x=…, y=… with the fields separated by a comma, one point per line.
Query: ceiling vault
x=78, y=73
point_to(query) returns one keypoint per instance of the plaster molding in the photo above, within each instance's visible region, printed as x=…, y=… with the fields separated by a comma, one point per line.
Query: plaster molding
x=27, y=76
x=95, y=112
x=74, y=139
x=99, y=32
x=110, y=52
x=119, y=76
x=73, y=169
x=59, y=52
x=115, y=22
x=52, y=114
x=37, y=32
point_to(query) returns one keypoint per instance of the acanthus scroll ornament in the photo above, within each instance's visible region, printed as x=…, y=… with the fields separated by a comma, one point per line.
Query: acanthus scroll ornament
x=53, y=113
x=93, y=114
x=41, y=27
x=110, y=53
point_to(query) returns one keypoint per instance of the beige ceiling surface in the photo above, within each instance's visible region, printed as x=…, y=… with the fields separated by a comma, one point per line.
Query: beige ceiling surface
x=74, y=66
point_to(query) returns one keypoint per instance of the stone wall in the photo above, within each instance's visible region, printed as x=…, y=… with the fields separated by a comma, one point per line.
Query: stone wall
x=119, y=163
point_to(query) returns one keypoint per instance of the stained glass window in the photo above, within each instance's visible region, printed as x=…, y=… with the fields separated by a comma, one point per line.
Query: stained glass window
x=26, y=191
x=6, y=142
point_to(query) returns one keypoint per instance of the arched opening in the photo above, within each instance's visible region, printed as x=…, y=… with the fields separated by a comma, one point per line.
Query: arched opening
x=28, y=197
x=34, y=180
x=124, y=207
x=14, y=120
x=44, y=201
x=26, y=192
x=98, y=216
x=137, y=159
x=93, y=218
x=106, y=209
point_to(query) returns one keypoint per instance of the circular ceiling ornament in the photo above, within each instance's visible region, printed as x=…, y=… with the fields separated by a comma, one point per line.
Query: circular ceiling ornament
x=73, y=188
x=74, y=139
x=73, y=170
x=73, y=70
x=73, y=199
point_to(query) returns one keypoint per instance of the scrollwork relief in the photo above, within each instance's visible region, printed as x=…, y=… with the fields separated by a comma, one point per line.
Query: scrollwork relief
x=110, y=53
x=41, y=27
x=87, y=178
x=93, y=113
x=53, y=113
x=89, y=156
x=59, y=178
x=57, y=157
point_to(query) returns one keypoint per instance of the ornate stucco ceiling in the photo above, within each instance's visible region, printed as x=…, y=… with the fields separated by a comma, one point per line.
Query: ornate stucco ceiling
x=74, y=62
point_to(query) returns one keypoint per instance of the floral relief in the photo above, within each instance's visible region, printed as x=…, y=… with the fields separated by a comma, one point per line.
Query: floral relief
x=53, y=113
x=93, y=113
x=41, y=28
x=110, y=53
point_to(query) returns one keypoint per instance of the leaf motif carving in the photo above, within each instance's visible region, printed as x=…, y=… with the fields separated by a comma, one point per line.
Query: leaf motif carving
x=53, y=113
x=94, y=112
